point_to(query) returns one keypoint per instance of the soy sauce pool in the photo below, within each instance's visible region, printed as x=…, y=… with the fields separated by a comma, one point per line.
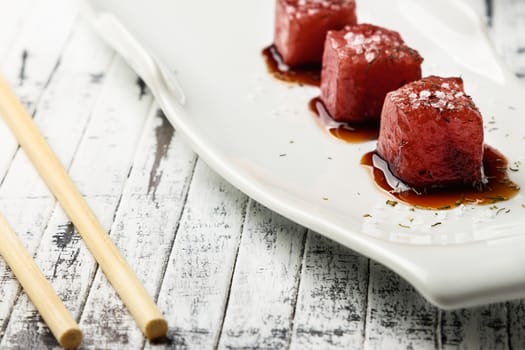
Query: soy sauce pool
x=351, y=133
x=499, y=187
x=306, y=75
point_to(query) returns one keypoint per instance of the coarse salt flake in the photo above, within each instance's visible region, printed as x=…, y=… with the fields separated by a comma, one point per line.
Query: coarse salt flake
x=424, y=94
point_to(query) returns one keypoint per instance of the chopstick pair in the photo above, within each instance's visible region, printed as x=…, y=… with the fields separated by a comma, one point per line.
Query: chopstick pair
x=116, y=269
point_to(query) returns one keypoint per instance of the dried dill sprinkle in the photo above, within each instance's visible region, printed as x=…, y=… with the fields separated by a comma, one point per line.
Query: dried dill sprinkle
x=367, y=216
x=391, y=203
x=436, y=224
x=515, y=166
x=282, y=155
x=500, y=211
x=403, y=226
x=325, y=198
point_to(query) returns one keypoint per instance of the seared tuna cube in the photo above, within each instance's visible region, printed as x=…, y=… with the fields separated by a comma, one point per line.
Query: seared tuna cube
x=431, y=134
x=301, y=26
x=360, y=65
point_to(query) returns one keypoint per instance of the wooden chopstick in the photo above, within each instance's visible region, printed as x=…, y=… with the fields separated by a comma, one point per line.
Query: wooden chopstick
x=116, y=269
x=38, y=288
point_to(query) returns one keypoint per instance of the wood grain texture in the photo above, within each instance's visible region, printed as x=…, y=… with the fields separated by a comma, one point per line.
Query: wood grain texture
x=12, y=19
x=265, y=283
x=331, y=306
x=29, y=70
x=13, y=200
x=144, y=230
x=477, y=328
x=61, y=254
x=38, y=288
x=195, y=287
x=397, y=316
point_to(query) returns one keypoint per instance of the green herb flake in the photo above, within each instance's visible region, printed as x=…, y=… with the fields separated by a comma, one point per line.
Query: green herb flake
x=500, y=211
x=391, y=203
x=403, y=226
x=367, y=216
x=436, y=224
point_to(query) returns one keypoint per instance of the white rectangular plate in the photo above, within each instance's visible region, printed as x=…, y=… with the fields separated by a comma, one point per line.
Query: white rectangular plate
x=202, y=60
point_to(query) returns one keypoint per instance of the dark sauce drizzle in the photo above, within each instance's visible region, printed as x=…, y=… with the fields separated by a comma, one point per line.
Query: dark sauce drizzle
x=307, y=75
x=311, y=75
x=351, y=133
x=499, y=187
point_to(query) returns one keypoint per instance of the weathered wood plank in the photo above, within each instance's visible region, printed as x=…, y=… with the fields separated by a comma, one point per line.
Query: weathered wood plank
x=397, y=317
x=331, y=306
x=100, y=168
x=516, y=324
x=195, y=287
x=476, y=328
x=265, y=283
x=12, y=19
x=13, y=201
x=32, y=59
x=144, y=230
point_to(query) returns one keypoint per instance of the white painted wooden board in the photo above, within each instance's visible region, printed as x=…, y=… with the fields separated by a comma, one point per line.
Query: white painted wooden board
x=227, y=272
x=331, y=305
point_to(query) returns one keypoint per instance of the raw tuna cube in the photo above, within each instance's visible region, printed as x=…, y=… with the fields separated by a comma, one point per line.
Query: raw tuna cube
x=360, y=65
x=301, y=26
x=431, y=134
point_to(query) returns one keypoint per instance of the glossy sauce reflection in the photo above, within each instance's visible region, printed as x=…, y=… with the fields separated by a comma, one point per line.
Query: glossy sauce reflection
x=498, y=188
x=307, y=75
x=351, y=133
